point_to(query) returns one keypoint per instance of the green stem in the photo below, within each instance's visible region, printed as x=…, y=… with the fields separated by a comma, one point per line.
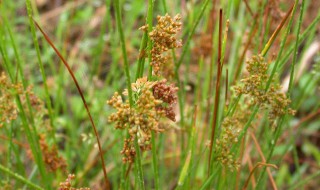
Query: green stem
x=295, y=51
x=30, y=133
x=187, y=43
x=127, y=72
x=124, y=51
x=283, y=118
x=283, y=41
x=36, y=44
x=20, y=178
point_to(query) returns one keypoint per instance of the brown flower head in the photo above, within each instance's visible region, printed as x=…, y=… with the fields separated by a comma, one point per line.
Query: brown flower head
x=151, y=100
x=163, y=38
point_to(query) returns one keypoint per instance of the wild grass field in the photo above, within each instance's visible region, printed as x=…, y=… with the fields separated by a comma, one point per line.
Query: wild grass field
x=159, y=94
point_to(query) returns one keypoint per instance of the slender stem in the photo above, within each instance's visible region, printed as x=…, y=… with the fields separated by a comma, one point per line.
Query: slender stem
x=217, y=93
x=275, y=67
x=36, y=44
x=187, y=43
x=30, y=133
x=295, y=50
x=155, y=162
x=275, y=34
x=153, y=147
x=302, y=37
x=283, y=118
x=253, y=170
x=84, y=103
x=124, y=51
x=127, y=72
x=149, y=21
x=20, y=178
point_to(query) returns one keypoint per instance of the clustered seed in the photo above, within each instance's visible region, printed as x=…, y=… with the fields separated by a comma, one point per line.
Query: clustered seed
x=166, y=93
x=51, y=156
x=230, y=131
x=255, y=84
x=67, y=184
x=163, y=38
x=144, y=116
x=8, y=107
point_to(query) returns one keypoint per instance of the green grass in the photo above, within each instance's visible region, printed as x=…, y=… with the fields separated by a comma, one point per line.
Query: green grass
x=106, y=52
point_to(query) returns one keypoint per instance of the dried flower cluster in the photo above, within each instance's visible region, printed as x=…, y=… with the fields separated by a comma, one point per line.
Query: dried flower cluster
x=230, y=131
x=163, y=38
x=152, y=101
x=166, y=93
x=255, y=84
x=8, y=107
x=66, y=185
x=51, y=156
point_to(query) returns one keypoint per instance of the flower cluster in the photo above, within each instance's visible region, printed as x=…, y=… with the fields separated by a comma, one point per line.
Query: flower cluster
x=163, y=38
x=255, y=84
x=230, y=131
x=150, y=104
x=166, y=93
x=51, y=157
x=66, y=185
x=8, y=107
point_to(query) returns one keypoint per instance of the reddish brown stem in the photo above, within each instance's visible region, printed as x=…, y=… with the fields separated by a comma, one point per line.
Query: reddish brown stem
x=259, y=164
x=216, y=99
x=248, y=7
x=240, y=62
x=210, y=29
x=273, y=183
x=227, y=83
x=83, y=100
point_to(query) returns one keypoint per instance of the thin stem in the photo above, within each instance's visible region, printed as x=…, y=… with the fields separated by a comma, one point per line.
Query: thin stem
x=217, y=93
x=124, y=51
x=295, y=50
x=20, y=178
x=83, y=100
x=187, y=43
x=275, y=34
x=36, y=44
x=275, y=67
x=254, y=169
x=127, y=72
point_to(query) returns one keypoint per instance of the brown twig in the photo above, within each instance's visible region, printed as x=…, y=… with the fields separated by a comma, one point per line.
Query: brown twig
x=14, y=141
x=226, y=93
x=248, y=7
x=216, y=100
x=210, y=29
x=242, y=150
x=253, y=170
x=240, y=62
x=83, y=100
x=273, y=183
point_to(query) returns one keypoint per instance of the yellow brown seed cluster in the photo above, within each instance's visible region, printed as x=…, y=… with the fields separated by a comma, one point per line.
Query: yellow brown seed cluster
x=230, y=131
x=144, y=116
x=67, y=184
x=163, y=38
x=8, y=107
x=255, y=84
